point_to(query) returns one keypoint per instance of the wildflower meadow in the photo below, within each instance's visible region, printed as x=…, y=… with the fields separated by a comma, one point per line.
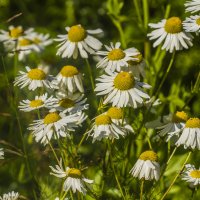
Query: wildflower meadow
x=100, y=100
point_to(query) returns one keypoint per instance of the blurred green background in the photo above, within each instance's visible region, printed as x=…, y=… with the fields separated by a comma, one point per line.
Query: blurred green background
x=52, y=16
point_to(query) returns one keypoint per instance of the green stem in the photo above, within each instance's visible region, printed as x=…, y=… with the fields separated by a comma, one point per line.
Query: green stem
x=166, y=74
x=172, y=154
x=141, y=189
x=146, y=13
x=137, y=8
x=90, y=73
x=175, y=178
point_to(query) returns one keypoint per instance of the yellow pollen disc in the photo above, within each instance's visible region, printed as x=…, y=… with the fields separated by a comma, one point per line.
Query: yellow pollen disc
x=66, y=103
x=139, y=58
x=36, y=103
x=69, y=71
x=179, y=117
x=74, y=173
x=77, y=33
x=16, y=32
x=102, y=120
x=115, y=113
x=195, y=174
x=149, y=155
x=173, y=25
x=36, y=74
x=116, y=54
x=193, y=123
x=51, y=118
x=198, y=21
x=124, y=81
x=37, y=40
x=24, y=42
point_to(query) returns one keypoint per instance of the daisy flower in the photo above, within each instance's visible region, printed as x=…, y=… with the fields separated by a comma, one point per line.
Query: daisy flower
x=192, y=24
x=192, y=6
x=137, y=67
x=10, y=196
x=190, y=136
x=34, y=78
x=77, y=40
x=37, y=103
x=70, y=78
x=121, y=89
x=171, y=32
x=147, y=166
x=1, y=153
x=191, y=175
x=115, y=57
x=173, y=126
x=54, y=125
x=71, y=102
x=12, y=34
x=116, y=115
x=103, y=127
x=73, y=178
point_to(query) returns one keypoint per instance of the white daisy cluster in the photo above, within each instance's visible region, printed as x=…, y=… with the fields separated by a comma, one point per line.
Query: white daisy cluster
x=192, y=23
x=63, y=111
x=74, y=178
x=10, y=196
x=24, y=42
x=191, y=175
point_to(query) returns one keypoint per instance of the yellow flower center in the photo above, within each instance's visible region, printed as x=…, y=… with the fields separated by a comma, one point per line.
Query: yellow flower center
x=74, y=173
x=77, y=33
x=51, y=118
x=16, y=32
x=36, y=74
x=37, y=40
x=149, y=155
x=115, y=113
x=24, y=42
x=139, y=58
x=179, y=117
x=173, y=25
x=195, y=174
x=36, y=103
x=69, y=71
x=66, y=103
x=102, y=120
x=193, y=123
x=116, y=54
x=124, y=81
x=198, y=21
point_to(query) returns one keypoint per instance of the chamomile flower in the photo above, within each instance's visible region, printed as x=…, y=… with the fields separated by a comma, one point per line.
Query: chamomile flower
x=173, y=126
x=190, y=136
x=116, y=115
x=192, y=6
x=192, y=24
x=191, y=175
x=121, y=89
x=71, y=102
x=115, y=57
x=77, y=40
x=1, y=153
x=147, y=166
x=10, y=196
x=171, y=32
x=34, y=78
x=137, y=67
x=74, y=178
x=55, y=125
x=103, y=127
x=12, y=34
x=70, y=78
x=37, y=103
